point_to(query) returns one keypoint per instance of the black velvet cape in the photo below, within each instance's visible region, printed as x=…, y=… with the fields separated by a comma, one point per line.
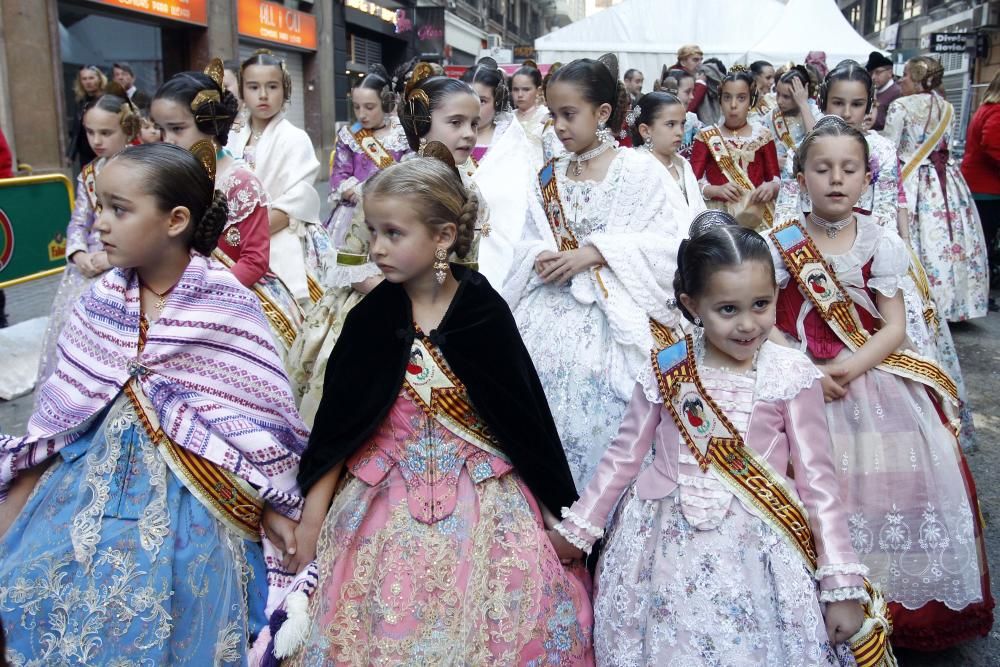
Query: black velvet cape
x=480, y=341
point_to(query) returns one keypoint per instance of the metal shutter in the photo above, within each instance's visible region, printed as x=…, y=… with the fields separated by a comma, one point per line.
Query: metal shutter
x=293, y=61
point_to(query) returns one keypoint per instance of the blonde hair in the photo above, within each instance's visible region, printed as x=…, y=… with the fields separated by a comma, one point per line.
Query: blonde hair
x=440, y=192
x=689, y=50
x=993, y=92
x=78, y=90
x=926, y=72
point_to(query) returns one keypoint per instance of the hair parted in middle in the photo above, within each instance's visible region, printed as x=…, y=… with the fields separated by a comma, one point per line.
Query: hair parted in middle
x=115, y=100
x=599, y=83
x=266, y=58
x=378, y=80
x=649, y=107
x=488, y=73
x=435, y=184
x=828, y=126
x=847, y=70
x=740, y=73
x=424, y=92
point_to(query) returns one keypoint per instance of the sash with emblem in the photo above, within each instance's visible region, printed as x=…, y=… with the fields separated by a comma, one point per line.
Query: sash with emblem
x=280, y=322
x=781, y=128
x=718, y=446
x=819, y=284
x=372, y=147
x=717, y=148
x=89, y=175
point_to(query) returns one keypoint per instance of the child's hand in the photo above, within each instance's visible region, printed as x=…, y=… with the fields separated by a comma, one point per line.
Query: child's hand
x=561, y=268
x=306, y=537
x=567, y=552
x=349, y=196
x=281, y=531
x=799, y=93
x=832, y=390
x=84, y=261
x=729, y=192
x=843, y=620
x=99, y=260
x=764, y=193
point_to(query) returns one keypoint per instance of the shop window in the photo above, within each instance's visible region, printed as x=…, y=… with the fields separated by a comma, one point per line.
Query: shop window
x=911, y=9
x=853, y=15
x=363, y=51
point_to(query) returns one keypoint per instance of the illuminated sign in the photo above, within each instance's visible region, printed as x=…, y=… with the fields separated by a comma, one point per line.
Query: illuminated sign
x=378, y=11
x=272, y=22
x=190, y=11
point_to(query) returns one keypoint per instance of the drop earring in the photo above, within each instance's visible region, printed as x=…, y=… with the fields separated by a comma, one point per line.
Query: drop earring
x=604, y=135
x=422, y=146
x=648, y=144
x=697, y=321
x=440, y=265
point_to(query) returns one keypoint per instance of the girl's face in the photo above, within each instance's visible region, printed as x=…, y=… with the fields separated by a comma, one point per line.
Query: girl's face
x=685, y=89
x=765, y=80
x=177, y=123
x=524, y=92
x=368, y=108
x=847, y=99
x=104, y=132
x=737, y=309
x=133, y=229
x=692, y=62
x=786, y=102
x=735, y=103
x=90, y=81
x=666, y=130
x=263, y=91
x=575, y=119
x=455, y=123
x=231, y=82
x=487, y=110
x=834, y=175
x=150, y=133
x=907, y=85
x=402, y=245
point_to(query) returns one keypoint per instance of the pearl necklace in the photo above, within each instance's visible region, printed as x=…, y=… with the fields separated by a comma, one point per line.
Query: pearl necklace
x=831, y=227
x=578, y=160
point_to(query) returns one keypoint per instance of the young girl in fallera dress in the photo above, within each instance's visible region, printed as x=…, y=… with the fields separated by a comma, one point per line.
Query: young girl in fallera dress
x=793, y=116
x=433, y=108
x=696, y=569
x=529, y=106
x=282, y=157
x=680, y=83
x=589, y=273
x=193, y=107
x=110, y=124
x=736, y=162
x=168, y=438
x=657, y=125
x=436, y=435
x=906, y=488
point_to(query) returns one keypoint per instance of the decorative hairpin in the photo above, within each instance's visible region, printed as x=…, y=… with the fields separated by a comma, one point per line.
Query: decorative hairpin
x=633, y=115
x=204, y=150
x=216, y=71
x=735, y=69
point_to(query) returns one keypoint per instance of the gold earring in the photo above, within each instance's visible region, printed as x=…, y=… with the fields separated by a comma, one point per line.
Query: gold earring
x=440, y=265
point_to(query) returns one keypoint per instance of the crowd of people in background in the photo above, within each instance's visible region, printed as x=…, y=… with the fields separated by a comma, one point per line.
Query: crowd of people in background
x=571, y=374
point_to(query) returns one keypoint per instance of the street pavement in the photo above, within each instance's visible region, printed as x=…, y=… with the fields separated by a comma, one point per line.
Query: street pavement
x=978, y=344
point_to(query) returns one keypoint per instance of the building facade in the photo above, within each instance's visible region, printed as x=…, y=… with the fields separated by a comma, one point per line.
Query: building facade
x=905, y=28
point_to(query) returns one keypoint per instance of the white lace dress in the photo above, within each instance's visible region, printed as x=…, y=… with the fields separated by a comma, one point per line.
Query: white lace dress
x=590, y=338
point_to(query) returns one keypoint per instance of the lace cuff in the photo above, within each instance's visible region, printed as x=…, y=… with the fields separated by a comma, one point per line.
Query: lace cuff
x=847, y=593
x=889, y=285
x=581, y=523
x=345, y=275
x=574, y=539
x=345, y=185
x=840, y=569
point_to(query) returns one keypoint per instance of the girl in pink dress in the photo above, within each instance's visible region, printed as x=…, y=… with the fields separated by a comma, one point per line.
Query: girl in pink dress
x=696, y=569
x=433, y=462
x=907, y=491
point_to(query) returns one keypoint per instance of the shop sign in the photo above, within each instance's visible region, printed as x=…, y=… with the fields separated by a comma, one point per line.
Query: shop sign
x=189, y=11
x=949, y=42
x=378, y=11
x=524, y=52
x=430, y=31
x=271, y=22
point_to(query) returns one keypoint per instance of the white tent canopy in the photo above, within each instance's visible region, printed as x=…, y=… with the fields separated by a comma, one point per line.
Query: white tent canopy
x=811, y=25
x=645, y=34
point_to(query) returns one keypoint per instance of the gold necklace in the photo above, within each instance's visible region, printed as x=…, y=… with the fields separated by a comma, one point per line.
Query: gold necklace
x=161, y=301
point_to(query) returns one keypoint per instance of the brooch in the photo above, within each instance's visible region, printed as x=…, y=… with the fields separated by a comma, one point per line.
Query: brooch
x=233, y=237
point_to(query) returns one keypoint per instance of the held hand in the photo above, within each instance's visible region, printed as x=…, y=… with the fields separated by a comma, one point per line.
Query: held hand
x=350, y=196
x=799, y=93
x=764, y=193
x=832, y=390
x=85, y=263
x=281, y=531
x=306, y=537
x=543, y=259
x=843, y=620
x=569, y=263
x=730, y=192
x=567, y=552
x=100, y=261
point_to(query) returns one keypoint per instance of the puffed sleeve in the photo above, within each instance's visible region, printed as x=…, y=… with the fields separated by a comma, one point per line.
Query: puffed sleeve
x=699, y=156
x=80, y=222
x=342, y=169
x=890, y=265
x=248, y=212
x=781, y=275
x=769, y=154
x=583, y=523
x=895, y=120
x=839, y=570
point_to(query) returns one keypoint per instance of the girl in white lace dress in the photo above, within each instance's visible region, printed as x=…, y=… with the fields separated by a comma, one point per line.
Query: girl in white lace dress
x=695, y=571
x=593, y=264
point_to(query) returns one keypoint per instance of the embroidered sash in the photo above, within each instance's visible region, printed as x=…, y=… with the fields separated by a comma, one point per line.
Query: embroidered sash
x=819, y=284
x=565, y=239
x=276, y=316
x=929, y=144
x=228, y=497
x=372, y=147
x=89, y=174
x=718, y=445
x=781, y=128
x=716, y=144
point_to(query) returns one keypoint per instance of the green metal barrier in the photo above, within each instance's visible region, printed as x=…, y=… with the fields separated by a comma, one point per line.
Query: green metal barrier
x=34, y=211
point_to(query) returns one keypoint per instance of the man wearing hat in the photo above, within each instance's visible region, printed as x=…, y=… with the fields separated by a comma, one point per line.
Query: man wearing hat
x=886, y=88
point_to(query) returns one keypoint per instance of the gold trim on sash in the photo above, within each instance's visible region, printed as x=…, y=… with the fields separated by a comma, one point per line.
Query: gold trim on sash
x=226, y=496
x=719, y=151
x=819, y=284
x=781, y=127
x=373, y=148
x=277, y=318
x=90, y=184
x=551, y=202
x=929, y=144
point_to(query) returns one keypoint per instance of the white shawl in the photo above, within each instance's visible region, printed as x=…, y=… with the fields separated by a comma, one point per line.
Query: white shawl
x=684, y=207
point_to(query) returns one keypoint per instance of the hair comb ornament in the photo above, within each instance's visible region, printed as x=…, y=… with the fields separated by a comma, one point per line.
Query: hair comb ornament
x=610, y=61
x=633, y=115
x=707, y=220
x=204, y=150
x=216, y=71
x=530, y=63
x=737, y=68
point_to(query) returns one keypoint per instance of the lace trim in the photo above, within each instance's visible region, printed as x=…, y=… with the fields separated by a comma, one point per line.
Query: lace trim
x=345, y=276
x=244, y=193
x=154, y=524
x=841, y=568
x=847, y=593
x=573, y=538
x=783, y=373
x=705, y=483
x=581, y=523
x=889, y=285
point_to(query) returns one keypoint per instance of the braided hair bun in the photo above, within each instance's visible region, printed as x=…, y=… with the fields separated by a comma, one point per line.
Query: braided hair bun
x=205, y=236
